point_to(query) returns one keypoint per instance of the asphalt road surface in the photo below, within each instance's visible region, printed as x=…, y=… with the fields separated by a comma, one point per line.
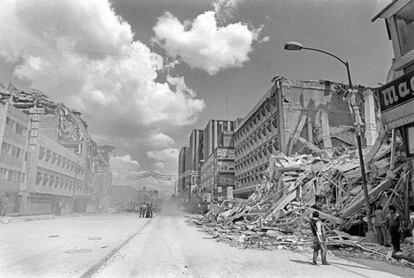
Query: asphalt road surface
x=63, y=246
x=168, y=247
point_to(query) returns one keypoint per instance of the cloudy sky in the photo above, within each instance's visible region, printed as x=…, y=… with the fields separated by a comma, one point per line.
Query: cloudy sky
x=144, y=73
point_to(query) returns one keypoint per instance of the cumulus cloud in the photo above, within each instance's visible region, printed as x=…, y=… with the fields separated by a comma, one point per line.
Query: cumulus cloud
x=165, y=160
x=123, y=169
x=82, y=53
x=203, y=44
x=124, y=163
x=161, y=140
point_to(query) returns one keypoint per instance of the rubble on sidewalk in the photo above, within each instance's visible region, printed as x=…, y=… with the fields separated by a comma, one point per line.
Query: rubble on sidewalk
x=276, y=215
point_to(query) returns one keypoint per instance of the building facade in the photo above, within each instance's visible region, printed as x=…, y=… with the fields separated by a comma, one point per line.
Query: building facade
x=49, y=164
x=181, y=168
x=217, y=174
x=292, y=117
x=396, y=98
x=13, y=157
x=214, y=135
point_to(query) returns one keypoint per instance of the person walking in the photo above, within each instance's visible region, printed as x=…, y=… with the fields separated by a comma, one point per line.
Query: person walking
x=393, y=222
x=319, y=239
x=379, y=226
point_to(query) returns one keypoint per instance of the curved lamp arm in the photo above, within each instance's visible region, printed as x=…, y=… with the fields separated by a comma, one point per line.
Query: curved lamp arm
x=337, y=58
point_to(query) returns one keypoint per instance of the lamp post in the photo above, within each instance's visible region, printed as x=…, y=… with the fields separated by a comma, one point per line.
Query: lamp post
x=296, y=46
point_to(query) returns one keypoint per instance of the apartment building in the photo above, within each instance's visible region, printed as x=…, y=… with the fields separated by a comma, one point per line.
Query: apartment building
x=292, y=117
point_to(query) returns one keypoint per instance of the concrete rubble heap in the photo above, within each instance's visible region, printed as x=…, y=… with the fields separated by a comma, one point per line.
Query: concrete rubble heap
x=276, y=215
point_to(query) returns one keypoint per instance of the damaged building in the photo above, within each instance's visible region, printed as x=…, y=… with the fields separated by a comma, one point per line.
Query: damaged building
x=296, y=117
x=52, y=165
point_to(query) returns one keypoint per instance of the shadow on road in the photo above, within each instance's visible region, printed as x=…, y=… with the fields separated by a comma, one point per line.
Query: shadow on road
x=301, y=262
x=351, y=265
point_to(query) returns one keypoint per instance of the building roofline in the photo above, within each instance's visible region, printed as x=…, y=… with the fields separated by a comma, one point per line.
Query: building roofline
x=393, y=7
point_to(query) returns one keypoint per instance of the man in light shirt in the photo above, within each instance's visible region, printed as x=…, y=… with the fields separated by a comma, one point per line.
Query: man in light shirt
x=319, y=239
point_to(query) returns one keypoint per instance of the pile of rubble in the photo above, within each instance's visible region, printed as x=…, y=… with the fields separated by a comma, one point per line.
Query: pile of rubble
x=276, y=215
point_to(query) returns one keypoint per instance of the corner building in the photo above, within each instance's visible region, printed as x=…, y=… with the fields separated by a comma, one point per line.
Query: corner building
x=303, y=110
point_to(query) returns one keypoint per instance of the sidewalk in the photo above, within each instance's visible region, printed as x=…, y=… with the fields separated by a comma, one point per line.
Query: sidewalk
x=27, y=218
x=64, y=246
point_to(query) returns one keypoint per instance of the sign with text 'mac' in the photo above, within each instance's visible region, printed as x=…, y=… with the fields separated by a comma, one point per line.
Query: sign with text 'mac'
x=397, y=101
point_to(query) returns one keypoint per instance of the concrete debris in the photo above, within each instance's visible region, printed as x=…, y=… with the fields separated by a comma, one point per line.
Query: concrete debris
x=276, y=215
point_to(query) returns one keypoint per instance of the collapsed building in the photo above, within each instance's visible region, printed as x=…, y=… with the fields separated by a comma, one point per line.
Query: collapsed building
x=49, y=162
x=297, y=117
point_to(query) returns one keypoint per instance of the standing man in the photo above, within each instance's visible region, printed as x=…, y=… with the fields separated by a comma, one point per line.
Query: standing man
x=379, y=226
x=412, y=223
x=319, y=239
x=393, y=222
x=144, y=210
x=140, y=210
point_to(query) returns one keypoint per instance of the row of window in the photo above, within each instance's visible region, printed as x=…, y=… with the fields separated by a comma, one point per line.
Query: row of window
x=11, y=175
x=44, y=178
x=60, y=161
x=259, y=116
x=12, y=150
x=16, y=127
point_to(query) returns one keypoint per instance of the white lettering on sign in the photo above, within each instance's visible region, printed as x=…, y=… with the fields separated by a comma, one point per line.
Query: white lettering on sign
x=36, y=110
x=34, y=125
x=389, y=95
x=36, y=117
x=397, y=92
x=34, y=133
x=33, y=141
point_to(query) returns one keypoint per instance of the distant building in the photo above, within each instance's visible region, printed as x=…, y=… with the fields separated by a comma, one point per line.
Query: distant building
x=181, y=168
x=292, y=117
x=214, y=135
x=217, y=174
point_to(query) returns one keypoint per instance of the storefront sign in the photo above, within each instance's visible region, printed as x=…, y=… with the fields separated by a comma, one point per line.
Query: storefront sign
x=36, y=110
x=397, y=101
x=34, y=126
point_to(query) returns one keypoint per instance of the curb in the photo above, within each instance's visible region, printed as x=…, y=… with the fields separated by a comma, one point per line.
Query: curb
x=20, y=219
x=108, y=256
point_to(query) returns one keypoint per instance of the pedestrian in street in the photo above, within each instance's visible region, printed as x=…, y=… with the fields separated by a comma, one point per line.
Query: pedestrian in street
x=412, y=224
x=144, y=210
x=379, y=226
x=393, y=222
x=150, y=210
x=319, y=239
x=140, y=210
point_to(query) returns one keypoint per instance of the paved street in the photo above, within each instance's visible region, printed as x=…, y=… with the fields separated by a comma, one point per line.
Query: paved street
x=62, y=247
x=168, y=247
x=162, y=247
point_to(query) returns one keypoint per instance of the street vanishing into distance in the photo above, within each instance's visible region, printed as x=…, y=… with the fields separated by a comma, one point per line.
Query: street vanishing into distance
x=206, y=138
x=124, y=245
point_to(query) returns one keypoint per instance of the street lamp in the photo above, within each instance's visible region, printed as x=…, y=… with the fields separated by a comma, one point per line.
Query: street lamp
x=296, y=46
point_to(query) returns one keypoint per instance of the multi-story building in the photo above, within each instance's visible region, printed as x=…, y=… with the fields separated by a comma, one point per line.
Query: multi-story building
x=13, y=157
x=213, y=135
x=396, y=98
x=48, y=163
x=313, y=111
x=195, y=149
x=217, y=173
x=181, y=168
